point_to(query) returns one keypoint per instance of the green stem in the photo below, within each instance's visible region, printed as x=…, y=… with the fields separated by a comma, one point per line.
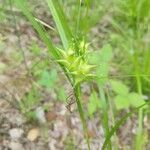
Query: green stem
x=116, y=141
x=140, y=119
x=77, y=92
x=140, y=112
x=105, y=114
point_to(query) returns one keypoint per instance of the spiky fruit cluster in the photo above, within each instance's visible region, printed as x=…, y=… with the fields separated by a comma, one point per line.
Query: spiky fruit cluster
x=76, y=63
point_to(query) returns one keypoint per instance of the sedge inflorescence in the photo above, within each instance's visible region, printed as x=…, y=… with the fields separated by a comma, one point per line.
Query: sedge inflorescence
x=75, y=61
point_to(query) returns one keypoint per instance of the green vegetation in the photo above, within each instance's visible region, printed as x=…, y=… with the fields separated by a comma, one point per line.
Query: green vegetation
x=117, y=71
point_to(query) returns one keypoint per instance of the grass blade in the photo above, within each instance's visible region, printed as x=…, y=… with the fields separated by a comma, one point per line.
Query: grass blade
x=61, y=22
x=105, y=121
x=43, y=35
x=118, y=124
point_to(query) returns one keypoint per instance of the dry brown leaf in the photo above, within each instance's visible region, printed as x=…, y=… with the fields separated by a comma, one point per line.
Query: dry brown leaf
x=51, y=116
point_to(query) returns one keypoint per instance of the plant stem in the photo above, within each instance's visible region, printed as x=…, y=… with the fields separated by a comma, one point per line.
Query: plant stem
x=140, y=119
x=105, y=114
x=116, y=141
x=140, y=112
x=77, y=92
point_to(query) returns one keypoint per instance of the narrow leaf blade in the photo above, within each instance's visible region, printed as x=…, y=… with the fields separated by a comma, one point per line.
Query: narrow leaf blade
x=118, y=124
x=61, y=22
x=43, y=35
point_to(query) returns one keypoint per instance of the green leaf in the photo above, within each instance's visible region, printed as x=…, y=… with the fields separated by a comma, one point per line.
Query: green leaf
x=102, y=73
x=135, y=99
x=31, y=116
x=29, y=101
x=103, y=69
x=62, y=94
x=122, y=102
x=91, y=108
x=106, y=53
x=119, y=88
x=144, y=9
x=48, y=79
x=61, y=22
x=35, y=49
x=94, y=57
x=101, y=59
x=94, y=103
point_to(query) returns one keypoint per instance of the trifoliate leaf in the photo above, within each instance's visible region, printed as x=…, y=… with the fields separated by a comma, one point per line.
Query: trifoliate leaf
x=122, y=102
x=48, y=79
x=119, y=88
x=94, y=103
x=136, y=99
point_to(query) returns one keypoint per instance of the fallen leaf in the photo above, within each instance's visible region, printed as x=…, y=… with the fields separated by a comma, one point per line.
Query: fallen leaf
x=33, y=134
x=50, y=116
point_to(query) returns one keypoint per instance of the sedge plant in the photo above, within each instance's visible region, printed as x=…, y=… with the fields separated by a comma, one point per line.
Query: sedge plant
x=72, y=58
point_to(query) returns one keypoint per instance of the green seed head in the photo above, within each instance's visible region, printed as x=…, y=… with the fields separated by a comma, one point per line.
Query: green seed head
x=75, y=61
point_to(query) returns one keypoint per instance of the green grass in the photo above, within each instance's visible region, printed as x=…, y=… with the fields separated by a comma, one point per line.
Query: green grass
x=126, y=51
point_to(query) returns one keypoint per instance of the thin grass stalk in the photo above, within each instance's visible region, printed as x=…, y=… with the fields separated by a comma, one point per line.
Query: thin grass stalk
x=116, y=141
x=140, y=117
x=105, y=114
x=138, y=143
x=78, y=16
x=77, y=91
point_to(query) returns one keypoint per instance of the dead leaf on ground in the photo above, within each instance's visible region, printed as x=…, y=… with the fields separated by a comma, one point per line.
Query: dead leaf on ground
x=51, y=116
x=33, y=134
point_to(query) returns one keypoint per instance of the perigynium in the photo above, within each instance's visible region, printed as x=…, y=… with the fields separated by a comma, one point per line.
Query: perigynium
x=76, y=62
